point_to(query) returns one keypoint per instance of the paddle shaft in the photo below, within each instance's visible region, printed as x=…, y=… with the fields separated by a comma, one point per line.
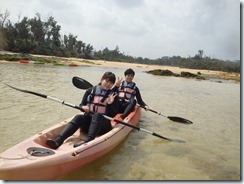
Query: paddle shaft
x=172, y=118
x=159, y=113
x=48, y=97
x=79, y=108
x=140, y=129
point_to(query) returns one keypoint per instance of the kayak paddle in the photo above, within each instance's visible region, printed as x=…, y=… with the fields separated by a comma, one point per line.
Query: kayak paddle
x=172, y=118
x=107, y=117
x=83, y=84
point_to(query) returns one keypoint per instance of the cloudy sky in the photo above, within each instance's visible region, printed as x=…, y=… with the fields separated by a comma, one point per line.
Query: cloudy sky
x=146, y=28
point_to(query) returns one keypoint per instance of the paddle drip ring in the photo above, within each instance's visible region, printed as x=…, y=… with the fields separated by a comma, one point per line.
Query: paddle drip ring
x=39, y=152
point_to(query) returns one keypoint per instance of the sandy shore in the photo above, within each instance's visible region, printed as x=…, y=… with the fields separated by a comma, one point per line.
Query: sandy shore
x=177, y=70
x=153, y=67
x=112, y=64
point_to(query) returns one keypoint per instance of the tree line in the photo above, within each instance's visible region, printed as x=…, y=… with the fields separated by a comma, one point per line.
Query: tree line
x=35, y=36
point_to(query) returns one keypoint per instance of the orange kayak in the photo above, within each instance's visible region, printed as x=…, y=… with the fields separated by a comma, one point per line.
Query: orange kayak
x=24, y=61
x=72, y=64
x=32, y=159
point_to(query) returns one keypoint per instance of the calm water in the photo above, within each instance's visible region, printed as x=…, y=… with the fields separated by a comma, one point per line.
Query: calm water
x=212, y=148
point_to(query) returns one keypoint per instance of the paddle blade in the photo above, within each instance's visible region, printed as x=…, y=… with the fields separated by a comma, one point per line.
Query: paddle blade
x=169, y=139
x=26, y=91
x=81, y=83
x=180, y=120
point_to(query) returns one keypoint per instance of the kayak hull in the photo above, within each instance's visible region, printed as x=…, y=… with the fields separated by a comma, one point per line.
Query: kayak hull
x=24, y=61
x=33, y=160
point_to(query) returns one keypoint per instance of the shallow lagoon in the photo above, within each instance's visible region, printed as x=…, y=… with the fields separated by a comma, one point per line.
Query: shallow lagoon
x=212, y=148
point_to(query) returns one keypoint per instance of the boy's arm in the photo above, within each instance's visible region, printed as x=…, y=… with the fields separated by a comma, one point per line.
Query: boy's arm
x=139, y=98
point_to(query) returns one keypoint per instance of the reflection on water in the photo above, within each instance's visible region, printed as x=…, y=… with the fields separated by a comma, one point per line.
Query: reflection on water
x=212, y=148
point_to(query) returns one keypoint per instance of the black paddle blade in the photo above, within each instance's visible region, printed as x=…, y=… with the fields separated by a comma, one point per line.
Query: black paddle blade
x=169, y=139
x=26, y=91
x=81, y=83
x=180, y=120
x=177, y=140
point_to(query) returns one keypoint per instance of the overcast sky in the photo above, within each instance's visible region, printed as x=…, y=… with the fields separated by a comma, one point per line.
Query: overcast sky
x=146, y=28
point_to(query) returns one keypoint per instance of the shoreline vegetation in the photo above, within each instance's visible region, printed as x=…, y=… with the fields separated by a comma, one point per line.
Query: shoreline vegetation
x=162, y=70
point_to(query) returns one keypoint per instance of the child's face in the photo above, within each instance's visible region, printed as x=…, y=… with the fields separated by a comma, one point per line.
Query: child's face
x=106, y=84
x=129, y=77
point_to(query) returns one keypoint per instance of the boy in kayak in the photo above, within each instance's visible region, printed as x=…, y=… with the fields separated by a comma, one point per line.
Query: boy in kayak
x=97, y=101
x=127, y=92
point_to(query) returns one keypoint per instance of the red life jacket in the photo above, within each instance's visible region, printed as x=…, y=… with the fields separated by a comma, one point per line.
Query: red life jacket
x=97, y=99
x=127, y=91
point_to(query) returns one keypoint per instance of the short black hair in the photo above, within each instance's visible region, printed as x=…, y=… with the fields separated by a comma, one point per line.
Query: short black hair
x=110, y=76
x=129, y=71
